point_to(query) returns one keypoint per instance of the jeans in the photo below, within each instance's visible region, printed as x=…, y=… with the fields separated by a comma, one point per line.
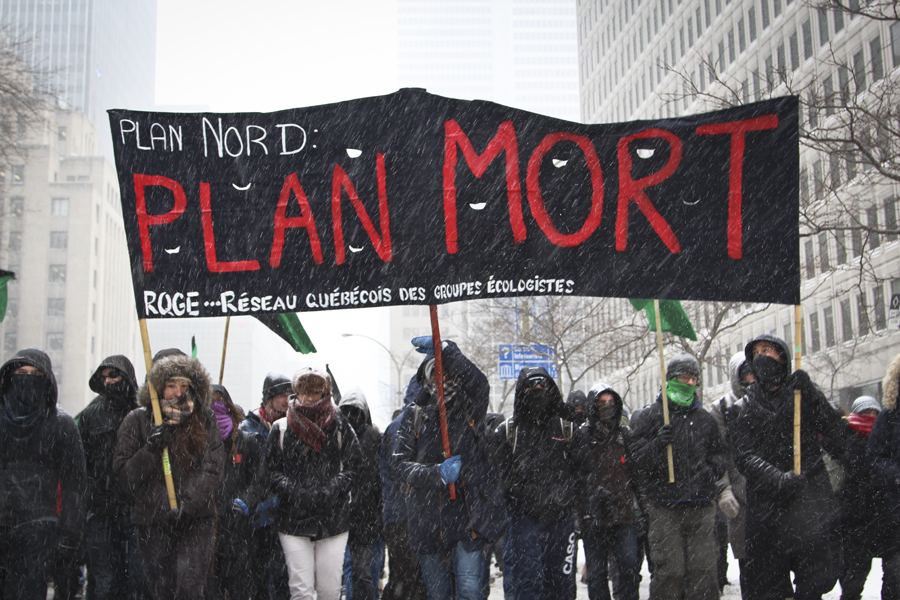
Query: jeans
x=26, y=556
x=541, y=558
x=404, y=574
x=115, y=565
x=601, y=544
x=466, y=569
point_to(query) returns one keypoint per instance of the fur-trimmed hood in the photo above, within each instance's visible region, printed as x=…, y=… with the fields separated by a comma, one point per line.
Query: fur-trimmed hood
x=891, y=385
x=178, y=365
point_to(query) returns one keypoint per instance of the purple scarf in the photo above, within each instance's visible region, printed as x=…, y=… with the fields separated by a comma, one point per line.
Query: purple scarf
x=226, y=424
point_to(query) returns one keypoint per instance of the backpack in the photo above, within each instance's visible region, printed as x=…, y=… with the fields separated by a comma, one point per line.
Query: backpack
x=568, y=429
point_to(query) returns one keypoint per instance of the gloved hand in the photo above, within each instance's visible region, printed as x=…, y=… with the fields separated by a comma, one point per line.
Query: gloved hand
x=450, y=469
x=240, y=507
x=160, y=437
x=728, y=503
x=339, y=484
x=665, y=435
x=295, y=494
x=799, y=380
x=424, y=344
x=174, y=516
x=790, y=483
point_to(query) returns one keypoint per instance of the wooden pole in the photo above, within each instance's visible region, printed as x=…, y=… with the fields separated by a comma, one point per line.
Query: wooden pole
x=798, y=346
x=157, y=414
x=665, y=396
x=439, y=386
x=224, y=347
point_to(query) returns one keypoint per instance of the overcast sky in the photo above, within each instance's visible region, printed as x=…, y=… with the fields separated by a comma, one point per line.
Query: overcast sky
x=270, y=55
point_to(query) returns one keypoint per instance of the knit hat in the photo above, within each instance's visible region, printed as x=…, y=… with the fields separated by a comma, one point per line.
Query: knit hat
x=865, y=403
x=311, y=381
x=275, y=384
x=683, y=364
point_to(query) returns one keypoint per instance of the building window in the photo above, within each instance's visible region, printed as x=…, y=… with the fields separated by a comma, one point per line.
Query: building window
x=10, y=341
x=846, y=320
x=742, y=38
x=731, y=53
x=57, y=273
x=828, y=316
x=828, y=88
x=872, y=222
x=751, y=23
x=823, y=27
x=807, y=40
x=56, y=307
x=862, y=315
x=877, y=61
x=838, y=20
x=764, y=13
x=859, y=72
x=810, y=259
x=59, y=240
x=18, y=174
x=814, y=341
x=776, y=7
x=895, y=43
x=15, y=240
x=880, y=312
x=787, y=333
x=55, y=342
x=890, y=219
x=16, y=206
x=823, y=252
x=59, y=207
x=840, y=245
x=794, y=45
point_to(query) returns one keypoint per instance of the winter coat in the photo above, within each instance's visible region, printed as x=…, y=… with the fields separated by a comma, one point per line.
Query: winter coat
x=725, y=411
x=365, y=506
x=763, y=443
x=697, y=454
x=98, y=425
x=255, y=426
x=394, y=502
x=883, y=448
x=141, y=471
x=326, y=478
x=539, y=460
x=243, y=473
x=611, y=462
x=478, y=515
x=32, y=472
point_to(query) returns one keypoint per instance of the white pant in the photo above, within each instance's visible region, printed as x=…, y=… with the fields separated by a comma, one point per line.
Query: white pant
x=314, y=568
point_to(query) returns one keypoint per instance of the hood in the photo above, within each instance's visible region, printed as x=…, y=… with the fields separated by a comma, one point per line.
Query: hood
x=891, y=384
x=357, y=399
x=776, y=341
x=275, y=384
x=554, y=400
x=222, y=390
x=575, y=399
x=34, y=358
x=734, y=375
x=178, y=365
x=592, y=396
x=413, y=389
x=121, y=364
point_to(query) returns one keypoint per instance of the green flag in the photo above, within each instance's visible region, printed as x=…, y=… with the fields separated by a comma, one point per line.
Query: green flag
x=287, y=326
x=674, y=319
x=5, y=276
x=193, y=347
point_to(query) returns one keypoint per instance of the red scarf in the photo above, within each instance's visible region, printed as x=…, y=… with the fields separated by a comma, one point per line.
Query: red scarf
x=861, y=424
x=308, y=422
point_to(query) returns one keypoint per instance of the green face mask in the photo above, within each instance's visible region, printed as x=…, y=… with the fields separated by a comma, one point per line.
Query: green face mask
x=681, y=394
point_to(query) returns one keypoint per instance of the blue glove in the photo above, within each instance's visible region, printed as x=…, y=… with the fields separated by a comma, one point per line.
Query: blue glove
x=240, y=507
x=450, y=469
x=424, y=344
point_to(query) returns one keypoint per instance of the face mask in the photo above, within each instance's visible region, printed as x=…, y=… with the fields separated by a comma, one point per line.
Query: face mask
x=769, y=372
x=681, y=394
x=117, y=389
x=223, y=417
x=26, y=393
x=534, y=404
x=605, y=414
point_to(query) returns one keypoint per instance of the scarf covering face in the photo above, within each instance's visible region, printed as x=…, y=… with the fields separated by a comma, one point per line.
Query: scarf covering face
x=451, y=389
x=681, y=394
x=223, y=417
x=23, y=407
x=309, y=422
x=176, y=410
x=861, y=424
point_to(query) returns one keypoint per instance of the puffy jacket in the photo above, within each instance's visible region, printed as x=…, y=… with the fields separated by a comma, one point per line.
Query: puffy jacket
x=98, y=425
x=539, y=459
x=326, y=479
x=478, y=516
x=365, y=507
x=141, y=471
x=697, y=453
x=33, y=471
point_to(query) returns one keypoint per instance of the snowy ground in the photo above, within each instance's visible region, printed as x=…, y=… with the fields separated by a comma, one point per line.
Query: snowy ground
x=731, y=592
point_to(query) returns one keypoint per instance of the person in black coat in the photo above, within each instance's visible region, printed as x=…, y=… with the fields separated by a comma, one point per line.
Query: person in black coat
x=449, y=536
x=682, y=515
x=791, y=519
x=540, y=465
x=312, y=461
x=241, y=490
x=42, y=478
x=115, y=566
x=365, y=508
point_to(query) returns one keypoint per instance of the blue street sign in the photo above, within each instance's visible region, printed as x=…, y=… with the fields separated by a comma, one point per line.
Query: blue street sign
x=515, y=357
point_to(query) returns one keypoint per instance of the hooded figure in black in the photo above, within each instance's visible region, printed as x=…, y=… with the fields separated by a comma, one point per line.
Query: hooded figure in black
x=42, y=478
x=115, y=566
x=540, y=466
x=790, y=517
x=365, y=506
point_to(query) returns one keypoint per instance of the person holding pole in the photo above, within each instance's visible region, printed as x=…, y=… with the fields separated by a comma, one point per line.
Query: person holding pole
x=682, y=513
x=790, y=523
x=176, y=543
x=450, y=532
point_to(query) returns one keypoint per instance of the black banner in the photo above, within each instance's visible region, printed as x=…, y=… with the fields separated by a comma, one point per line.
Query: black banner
x=413, y=198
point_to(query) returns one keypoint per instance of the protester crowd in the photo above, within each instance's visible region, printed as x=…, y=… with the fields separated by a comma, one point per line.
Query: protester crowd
x=301, y=497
